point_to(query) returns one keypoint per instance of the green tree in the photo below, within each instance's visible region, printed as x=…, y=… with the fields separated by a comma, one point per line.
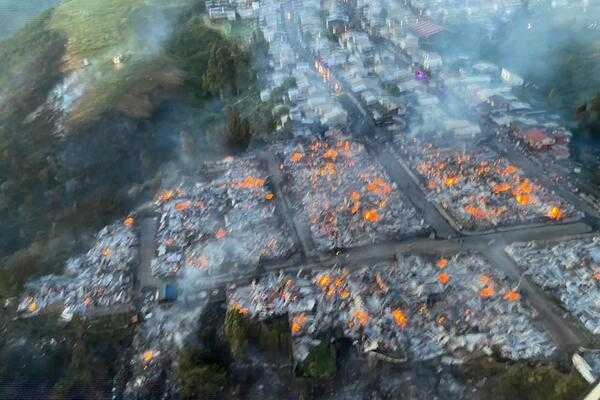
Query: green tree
x=540, y=383
x=199, y=379
x=220, y=70
x=236, y=331
x=238, y=130
x=320, y=363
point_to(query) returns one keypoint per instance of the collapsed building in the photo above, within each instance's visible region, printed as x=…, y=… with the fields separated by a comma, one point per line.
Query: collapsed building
x=345, y=194
x=100, y=279
x=569, y=270
x=480, y=189
x=418, y=308
x=227, y=223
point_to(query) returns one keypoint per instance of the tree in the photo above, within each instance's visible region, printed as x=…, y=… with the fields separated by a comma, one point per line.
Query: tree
x=540, y=383
x=228, y=68
x=320, y=363
x=236, y=331
x=238, y=130
x=198, y=378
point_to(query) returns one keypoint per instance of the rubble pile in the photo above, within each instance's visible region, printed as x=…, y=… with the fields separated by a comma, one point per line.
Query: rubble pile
x=419, y=307
x=229, y=220
x=570, y=270
x=482, y=190
x=345, y=194
x=102, y=278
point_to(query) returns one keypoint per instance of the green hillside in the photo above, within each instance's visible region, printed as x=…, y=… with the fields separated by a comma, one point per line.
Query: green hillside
x=77, y=130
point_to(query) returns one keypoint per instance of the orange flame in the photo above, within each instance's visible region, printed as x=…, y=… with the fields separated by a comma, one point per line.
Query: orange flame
x=323, y=280
x=501, y=187
x=361, y=316
x=508, y=170
x=106, y=252
x=166, y=196
x=297, y=323
x=400, y=318
x=331, y=153
x=487, y=292
x=555, y=213
x=442, y=263
x=183, y=205
x=523, y=199
x=475, y=212
x=443, y=278
x=379, y=186
x=355, y=197
x=32, y=307
x=129, y=221
x=269, y=196
x=250, y=182
x=451, y=181
x=512, y=296
x=371, y=215
x=148, y=356
x=524, y=187
x=327, y=169
x=241, y=310
x=220, y=233
x=296, y=156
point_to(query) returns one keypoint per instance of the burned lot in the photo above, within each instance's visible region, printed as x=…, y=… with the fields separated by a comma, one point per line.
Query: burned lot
x=480, y=189
x=101, y=279
x=222, y=225
x=569, y=270
x=418, y=308
x=345, y=194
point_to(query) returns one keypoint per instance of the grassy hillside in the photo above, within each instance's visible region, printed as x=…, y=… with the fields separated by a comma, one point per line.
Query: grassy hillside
x=84, y=36
x=76, y=136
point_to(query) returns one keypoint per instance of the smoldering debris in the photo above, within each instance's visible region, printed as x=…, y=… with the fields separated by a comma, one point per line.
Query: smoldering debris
x=570, y=270
x=226, y=224
x=100, y=279
x=345, y=194
x=480, y=189
x=418, y=308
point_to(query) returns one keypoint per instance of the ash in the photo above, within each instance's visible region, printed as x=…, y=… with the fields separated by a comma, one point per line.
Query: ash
x=345, y=194
x=417, y=308
x=99, y=281
x=480, y=189
x=570, y=270
x=156, y=345
x=226, y=224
